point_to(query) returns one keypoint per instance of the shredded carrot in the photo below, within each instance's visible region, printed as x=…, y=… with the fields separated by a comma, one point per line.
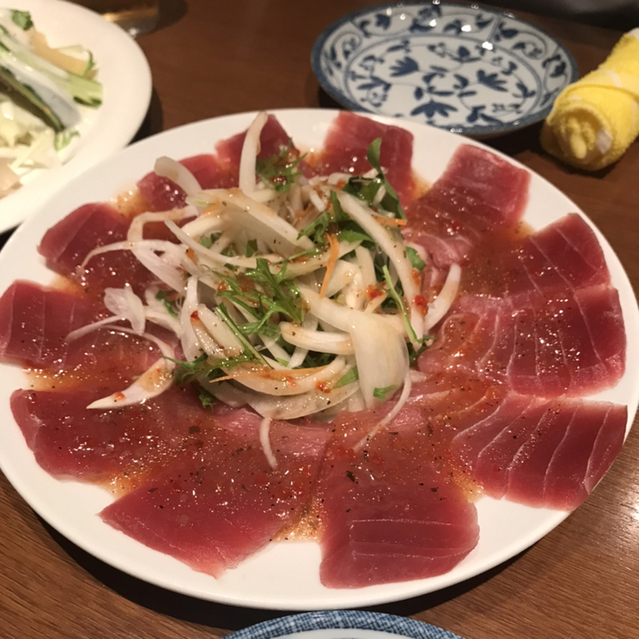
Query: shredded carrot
x=389, y=221
x=332, y=260
x=303, y=213
x=211, y=208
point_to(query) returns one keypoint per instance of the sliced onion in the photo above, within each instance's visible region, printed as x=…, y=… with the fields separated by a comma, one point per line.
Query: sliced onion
x=153, y=382
x=177, y=173
x=156, y=312
x=264, y=222
x=343, y=274
x=296, y=406
x=380, y=349
x=250, y=151
x=445, y=299
x=190, y=345
x=320, y=341
x=125, y=304
x=335, y=316
x=310, y=323
x=265, y=441
x=286, y=382
x=207, y=223
x=136, y=228
x=165, y=270
x=395, y=251
x=220, y=332
x=89, y=328
x=403, y=398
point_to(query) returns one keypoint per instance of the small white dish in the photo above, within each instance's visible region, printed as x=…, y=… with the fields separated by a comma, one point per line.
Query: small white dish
x=466, y=69
x=126, y=78
x=337, y=624
x=283, y=576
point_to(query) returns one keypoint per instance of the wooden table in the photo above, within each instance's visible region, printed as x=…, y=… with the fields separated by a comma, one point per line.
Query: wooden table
x=580, y=582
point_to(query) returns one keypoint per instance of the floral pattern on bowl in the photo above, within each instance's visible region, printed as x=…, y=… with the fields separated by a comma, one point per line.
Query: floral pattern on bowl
x=463, y=68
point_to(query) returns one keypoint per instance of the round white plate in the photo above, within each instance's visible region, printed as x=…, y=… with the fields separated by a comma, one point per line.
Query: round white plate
x=332, y=624
x=126, y=78
x=466, y=69
x=284, y=576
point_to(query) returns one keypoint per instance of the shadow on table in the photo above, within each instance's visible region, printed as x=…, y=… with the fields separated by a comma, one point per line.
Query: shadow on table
x=216, y=615
x=153, y=121
x=170, y=12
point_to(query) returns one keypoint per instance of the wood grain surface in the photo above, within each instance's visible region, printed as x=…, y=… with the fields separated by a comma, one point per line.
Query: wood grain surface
x=211, y=58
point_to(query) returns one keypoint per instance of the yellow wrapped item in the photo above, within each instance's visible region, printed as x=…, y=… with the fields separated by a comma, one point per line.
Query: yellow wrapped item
x=596, y=119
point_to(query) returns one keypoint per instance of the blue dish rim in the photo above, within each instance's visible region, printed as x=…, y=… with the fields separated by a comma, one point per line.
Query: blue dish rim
x=474, y=131
x=343, y=619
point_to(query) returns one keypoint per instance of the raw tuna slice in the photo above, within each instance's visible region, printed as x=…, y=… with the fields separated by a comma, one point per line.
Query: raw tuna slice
x=478, y=193
x=546, y=346
x=488, y=191
x=565, y=255
x=34, y=322
x=542, y=453
x=387, y=513
x=162, y=194
x=209, y=172
x=272, y=139
x=221, y=501
x=120, y=447
x=66, y=244
x=212, y=171
x=348, y=140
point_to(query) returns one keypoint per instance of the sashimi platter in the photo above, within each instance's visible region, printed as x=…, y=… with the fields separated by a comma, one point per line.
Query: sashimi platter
x=308, y=359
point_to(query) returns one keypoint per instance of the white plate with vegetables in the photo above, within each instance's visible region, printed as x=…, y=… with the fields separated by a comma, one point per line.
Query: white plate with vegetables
x=68, y=121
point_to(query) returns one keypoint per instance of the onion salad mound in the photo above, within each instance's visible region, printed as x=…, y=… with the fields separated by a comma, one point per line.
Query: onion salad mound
x=293, y=295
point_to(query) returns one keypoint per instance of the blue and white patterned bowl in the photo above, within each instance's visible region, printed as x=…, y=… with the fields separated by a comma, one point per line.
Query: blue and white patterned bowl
x=343, y=624
x=465, y=69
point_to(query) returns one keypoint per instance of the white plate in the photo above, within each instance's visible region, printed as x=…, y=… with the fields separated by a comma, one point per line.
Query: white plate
x=463, y=68
x=284, y=576
x=126, y=78
x=332, y=625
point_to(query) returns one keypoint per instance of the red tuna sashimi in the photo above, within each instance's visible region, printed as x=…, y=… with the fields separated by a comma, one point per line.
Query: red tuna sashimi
x=542, y=453
x=212, y=171
x=477, y=193
x=272, y=138
x=34, y=322
x=565, y=255
x=546, y=346
x=387, y=513
x=346, y=144
x=221, y=502
x=162, y=194
x=120, y=446
x=209, y=171
x=66, y=244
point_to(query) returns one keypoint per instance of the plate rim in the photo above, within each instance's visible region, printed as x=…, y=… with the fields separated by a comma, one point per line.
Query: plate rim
x=122, y=119
x=334, y=598
x=476, y=132
x=343, y=620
